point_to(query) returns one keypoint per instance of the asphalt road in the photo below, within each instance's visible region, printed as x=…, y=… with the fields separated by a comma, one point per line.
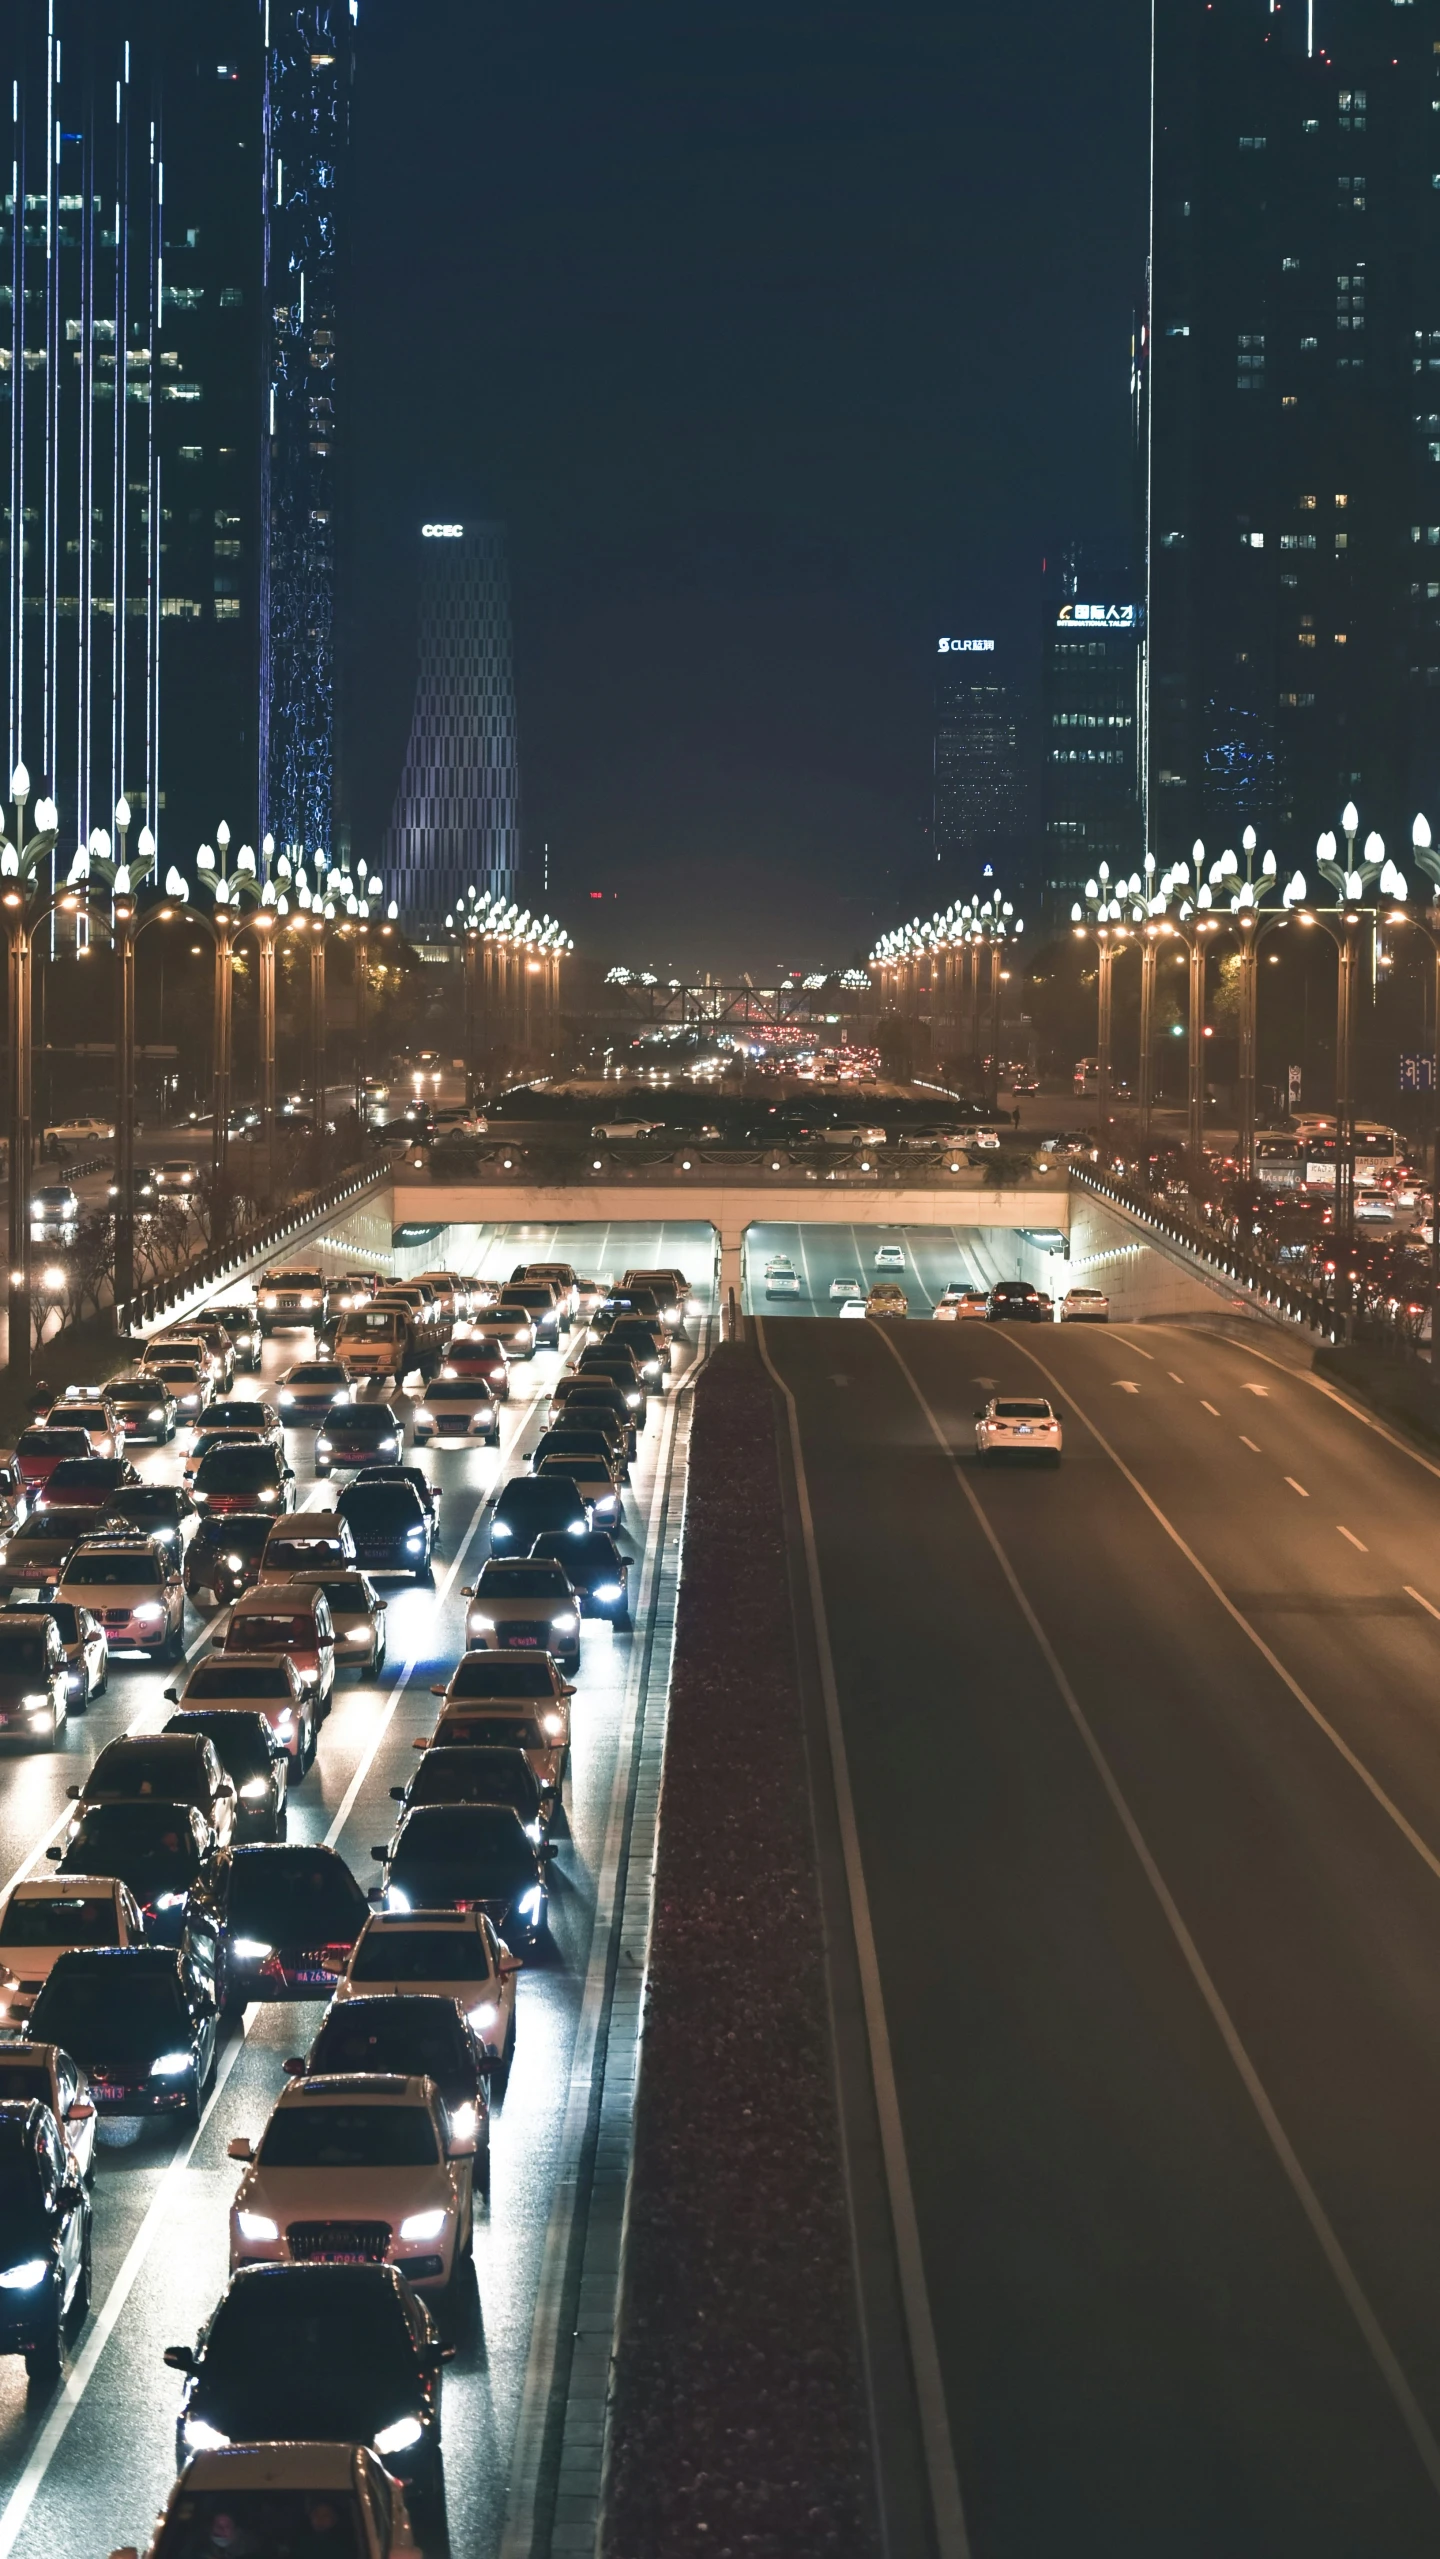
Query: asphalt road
x=1143, y=1752
x=88, y=2468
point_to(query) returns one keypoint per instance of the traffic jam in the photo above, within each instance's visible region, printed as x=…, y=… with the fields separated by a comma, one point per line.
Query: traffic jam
x=250, y=1520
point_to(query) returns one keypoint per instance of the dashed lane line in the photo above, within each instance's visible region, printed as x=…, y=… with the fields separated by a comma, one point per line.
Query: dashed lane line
x=1354, y=1540
x=1250, y=1443
x=1347, y=2281
x=1419, y=1597
x=1297, y=1488
x=1210, y=1408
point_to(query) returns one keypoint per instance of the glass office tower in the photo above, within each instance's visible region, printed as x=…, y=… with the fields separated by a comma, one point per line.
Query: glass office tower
x=457, y=812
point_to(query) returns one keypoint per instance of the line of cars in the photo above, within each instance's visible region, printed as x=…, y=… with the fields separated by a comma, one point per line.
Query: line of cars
x=201, y=1905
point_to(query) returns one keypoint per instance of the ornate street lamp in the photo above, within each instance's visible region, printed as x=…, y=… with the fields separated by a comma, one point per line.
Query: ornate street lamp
x=24, y=906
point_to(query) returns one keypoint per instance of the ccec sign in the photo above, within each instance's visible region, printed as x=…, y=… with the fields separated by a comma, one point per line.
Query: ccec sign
x=966, y=647
x=441, y=532
x=1108, y=617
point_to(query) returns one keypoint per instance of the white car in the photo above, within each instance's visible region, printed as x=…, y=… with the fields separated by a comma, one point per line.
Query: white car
x=1374, y=1208
x=265, y=2495
x=44, y=1919
x=842, y=1290
x=1084, y=1306
x=453, y=1953
x=374, y=2150
x=889, y=1257
x=47, y=2073
x=854, y=1308
x=307, y=1392
x=458, y=1412
x=1019, y=1426
x=79, y=1133
x=781, y=1280
x=177, y=1175
x=267, y=1682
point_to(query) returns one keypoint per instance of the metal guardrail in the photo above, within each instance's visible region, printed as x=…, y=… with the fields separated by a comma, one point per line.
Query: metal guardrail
x=212, y=1268
x=1298, y=1301
x=572, y=1163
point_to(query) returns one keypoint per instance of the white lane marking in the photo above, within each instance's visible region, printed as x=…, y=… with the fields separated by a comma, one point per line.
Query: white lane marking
x=1352, y=2292
x=1127, y=1385
x=1139, y=1354
x=1250, y=1443
x=1302, y=1698
x=1173, y=1372
x=1421, y=1598
x=952, y=2539
x=1210, y=1408
x=1332, y=1395
x=1252, y=1389
x=1297, y=1488
x=1354, y=1540
x=77, y=2381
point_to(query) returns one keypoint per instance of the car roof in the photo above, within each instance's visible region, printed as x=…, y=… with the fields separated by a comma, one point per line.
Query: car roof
x=275, y=2465
x=68, y=1888
x=341, y=2088
x=387, y=1923
x=266, y=1597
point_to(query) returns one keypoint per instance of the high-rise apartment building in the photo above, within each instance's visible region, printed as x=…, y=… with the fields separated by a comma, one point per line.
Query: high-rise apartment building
x=978, y=796
x=1090, y=707
x=1291, y=452
x=168, y=343
x=456, y=819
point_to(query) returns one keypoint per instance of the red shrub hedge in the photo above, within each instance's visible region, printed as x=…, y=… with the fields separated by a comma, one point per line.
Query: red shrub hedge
x=738, y=2419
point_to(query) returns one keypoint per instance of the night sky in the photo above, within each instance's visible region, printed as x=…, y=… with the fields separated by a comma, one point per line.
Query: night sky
x=783, y=338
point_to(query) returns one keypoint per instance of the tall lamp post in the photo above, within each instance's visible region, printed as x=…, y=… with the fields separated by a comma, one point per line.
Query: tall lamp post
x=1350, y=926
x=23, y=908
x=1100, y=920
x=1393, y=885
x=1247, y=896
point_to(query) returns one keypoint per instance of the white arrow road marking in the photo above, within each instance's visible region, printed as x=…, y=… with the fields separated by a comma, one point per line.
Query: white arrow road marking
x=1127, y=1385
x=1252, y=1389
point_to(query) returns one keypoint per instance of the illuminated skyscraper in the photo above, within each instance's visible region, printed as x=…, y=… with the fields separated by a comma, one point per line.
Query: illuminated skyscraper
x=457, y=811
x=1292, y=458
x=167, y=409
x=1090, y=669
x=979, y=799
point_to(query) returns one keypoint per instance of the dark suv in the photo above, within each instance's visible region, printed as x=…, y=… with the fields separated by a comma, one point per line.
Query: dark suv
x=531, y=1506
x=1014, y=1302
x=223, y=1556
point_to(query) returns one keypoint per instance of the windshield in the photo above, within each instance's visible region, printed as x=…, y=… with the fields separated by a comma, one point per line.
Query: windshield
x=65, y=1619
x=212, y=1679
x=270, y=1634
x=104, y=2013
x=350, y=2137
x=304, y=1902
x=316, y=1374
x=237, y=1469
x=276, y=2338
x=481, y=1831
x=56, y=1443
x=408, y=2036
x=112, y=1572
x=137, y=1768
x=523, y=1581
x=382, y=1505
x=22, y=2080
x=475, y=1777
x=419, y=1954
x=242, y=1532
x=1010, y=1411
x=347, y=1596
x=493, y=1732
x=371, y=1320
x=149, y=1845
x=147, y=1501
x=280, y=2523
x=87, y=1474
x=55, y=1920
x=366, y=1421
x=482, y=1675
x=475, y=1393
x=23, y=1657
x=22, y=2226
x=241, y=1741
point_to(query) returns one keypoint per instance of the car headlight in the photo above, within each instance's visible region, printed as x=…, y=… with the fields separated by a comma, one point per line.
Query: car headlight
x=482, y=1625
x=26, y=2277
x=500, y=1528
x=286, y=1395
x=170, y=1901
x=147, y=1611
x=448, y=1372
x=257, y=2225
x=322, y=1448
x=399, y=2437
x=577, y=1528
x=307, y=1301
x=485, y=2016
x=266, y=1496
x=609, y=1591
x=284, y=1719
x=424, y=2225
x=36, y=1701
x=358, y=1635
x=170, y=2065
x=605, y=1501
x=156, y=1413
x=254, y=1790
x=234, y=1563
x=395, y=1899
x=251, y=1950
x=650, y=1368
x=633, y=1401
x=496, y=1374
x=465, y=2121
x=566, y=1622
x=390, y=1446
x=202, y=2438
x=415, y=1537
x=530, y=1904
x=554, y=1724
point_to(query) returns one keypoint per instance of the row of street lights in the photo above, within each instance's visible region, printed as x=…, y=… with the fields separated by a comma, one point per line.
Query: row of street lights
x=957, y=959
x=511, y=961
x=279, y=892
x=1191, y=905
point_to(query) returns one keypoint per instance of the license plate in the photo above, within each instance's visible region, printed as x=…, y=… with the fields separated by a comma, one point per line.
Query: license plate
x=515, y=1640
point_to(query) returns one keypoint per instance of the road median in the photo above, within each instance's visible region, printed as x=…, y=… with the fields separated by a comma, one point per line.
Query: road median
x=738, y=2419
